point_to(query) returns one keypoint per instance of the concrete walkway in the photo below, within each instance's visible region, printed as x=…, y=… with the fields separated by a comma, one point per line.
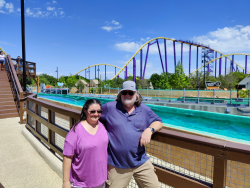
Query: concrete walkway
x=20, y=164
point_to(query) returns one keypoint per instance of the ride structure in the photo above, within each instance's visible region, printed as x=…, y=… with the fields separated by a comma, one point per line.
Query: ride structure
x=209, y=67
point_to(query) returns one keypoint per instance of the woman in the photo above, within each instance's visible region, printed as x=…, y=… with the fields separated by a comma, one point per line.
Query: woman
x=85, y=150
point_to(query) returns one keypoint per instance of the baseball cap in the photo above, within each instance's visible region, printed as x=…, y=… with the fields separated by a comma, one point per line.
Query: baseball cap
x=129, y=85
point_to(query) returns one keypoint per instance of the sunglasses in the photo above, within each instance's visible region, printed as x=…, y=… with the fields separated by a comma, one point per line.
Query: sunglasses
x=131, y=93
x=94, y=111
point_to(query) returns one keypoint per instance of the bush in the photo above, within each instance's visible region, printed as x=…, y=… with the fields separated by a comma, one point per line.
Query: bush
x=80, y=85
x=243, y=93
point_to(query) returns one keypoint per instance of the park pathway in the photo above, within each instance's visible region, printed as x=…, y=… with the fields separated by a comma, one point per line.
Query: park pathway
x=20, y=164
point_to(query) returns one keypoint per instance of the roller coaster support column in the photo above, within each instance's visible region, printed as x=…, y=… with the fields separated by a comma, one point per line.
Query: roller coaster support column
x=141, y=66
x=146, y=61
x=232, y=65
x=95, y=72
x=115, y=73
x=182, y=54
x=246, y=65
x=85, y=73
x=126, y=72
x=190, y=58
x=215, y=66
x=134, y=69
x=165, y=48
x=98, y=72
x=220, y=65
x=160, y=55
x=174, y=55
x=225, y=66
x=105, y=72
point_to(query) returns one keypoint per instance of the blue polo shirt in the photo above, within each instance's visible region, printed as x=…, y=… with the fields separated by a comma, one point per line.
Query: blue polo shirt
x=125, y=131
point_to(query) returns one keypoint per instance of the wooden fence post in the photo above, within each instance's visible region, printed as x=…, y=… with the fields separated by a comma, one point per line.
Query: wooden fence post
x=51, y=134
x=219, y=176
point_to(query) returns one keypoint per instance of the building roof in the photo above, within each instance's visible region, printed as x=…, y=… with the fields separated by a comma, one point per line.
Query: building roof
x=94, y=81
x=83, y=81
x=244, y=81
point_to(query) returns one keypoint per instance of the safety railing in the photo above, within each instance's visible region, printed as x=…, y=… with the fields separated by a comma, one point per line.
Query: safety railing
x=20, y=96
x=180, y=159
x=214, y=97
x=30, y=67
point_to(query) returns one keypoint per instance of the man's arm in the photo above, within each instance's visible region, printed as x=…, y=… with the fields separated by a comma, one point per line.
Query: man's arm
x=147, y=133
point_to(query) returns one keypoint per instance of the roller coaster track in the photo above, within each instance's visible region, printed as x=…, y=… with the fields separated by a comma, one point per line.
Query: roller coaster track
x=101, y=64
x=219, y=58
x=1, y=49
x=190, y=43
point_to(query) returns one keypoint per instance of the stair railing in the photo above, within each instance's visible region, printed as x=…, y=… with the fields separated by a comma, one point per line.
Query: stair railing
x=17, y=89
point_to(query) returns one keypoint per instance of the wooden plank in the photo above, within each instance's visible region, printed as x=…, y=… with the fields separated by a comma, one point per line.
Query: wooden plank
x=44, y=140
x=176, y=180
x=219, y=176
x=56, y=108
x=54, y=128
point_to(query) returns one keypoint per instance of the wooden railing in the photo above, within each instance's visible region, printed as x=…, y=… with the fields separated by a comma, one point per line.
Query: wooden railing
x=30, y=68
x=19, y=94
x=181, y=160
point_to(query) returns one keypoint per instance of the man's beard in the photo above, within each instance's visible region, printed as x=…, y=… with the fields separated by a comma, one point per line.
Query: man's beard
x=129, y=102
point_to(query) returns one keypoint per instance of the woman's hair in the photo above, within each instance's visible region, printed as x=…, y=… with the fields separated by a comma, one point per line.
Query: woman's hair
x=85, y=109
x=137, y=101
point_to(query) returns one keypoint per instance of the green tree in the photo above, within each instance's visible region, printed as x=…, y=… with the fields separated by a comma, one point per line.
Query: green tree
x=71, y=81
x=179, y=80
x=80, y=86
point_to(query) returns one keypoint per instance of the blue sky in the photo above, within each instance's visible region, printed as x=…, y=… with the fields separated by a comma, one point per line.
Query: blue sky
x=74, y=34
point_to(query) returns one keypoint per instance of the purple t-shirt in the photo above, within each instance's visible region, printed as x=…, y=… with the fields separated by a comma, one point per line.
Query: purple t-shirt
x=89, y=163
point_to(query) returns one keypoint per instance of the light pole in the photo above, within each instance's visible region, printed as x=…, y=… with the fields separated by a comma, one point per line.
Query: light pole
x=89, y=79
x=57, y=73
x=23, y=45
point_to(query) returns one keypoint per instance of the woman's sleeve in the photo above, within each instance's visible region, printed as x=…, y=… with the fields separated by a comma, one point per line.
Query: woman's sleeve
x=70, y=143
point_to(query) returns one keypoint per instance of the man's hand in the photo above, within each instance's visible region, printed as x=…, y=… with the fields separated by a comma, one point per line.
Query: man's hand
x=146, y=137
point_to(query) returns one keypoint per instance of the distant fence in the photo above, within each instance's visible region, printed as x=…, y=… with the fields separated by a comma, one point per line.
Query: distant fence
x=181, y=160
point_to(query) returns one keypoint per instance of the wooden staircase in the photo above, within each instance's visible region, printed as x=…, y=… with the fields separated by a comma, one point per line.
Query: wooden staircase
x=8, y=107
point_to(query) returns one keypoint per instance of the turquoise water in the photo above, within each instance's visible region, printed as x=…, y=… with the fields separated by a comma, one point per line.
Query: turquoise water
x=222, y=126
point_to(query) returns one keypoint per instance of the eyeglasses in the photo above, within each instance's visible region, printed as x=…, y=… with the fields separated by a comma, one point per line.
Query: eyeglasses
x=94, y=111
x=131, y=93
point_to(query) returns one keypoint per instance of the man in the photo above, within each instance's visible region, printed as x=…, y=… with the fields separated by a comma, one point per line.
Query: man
x=130, y=125
x=2, y=59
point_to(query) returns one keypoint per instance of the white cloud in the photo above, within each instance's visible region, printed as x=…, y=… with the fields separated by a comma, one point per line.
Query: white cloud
x=128, y=46
x=18, y=9
x=228, y=39
x=112, y=26
x=115, y=22
x=10, y=7
x=54, y=2
x=146, y=39
x=48, y=13
x=28, y=12
x=107, y=28
x=2, y=2
x=50, y=8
